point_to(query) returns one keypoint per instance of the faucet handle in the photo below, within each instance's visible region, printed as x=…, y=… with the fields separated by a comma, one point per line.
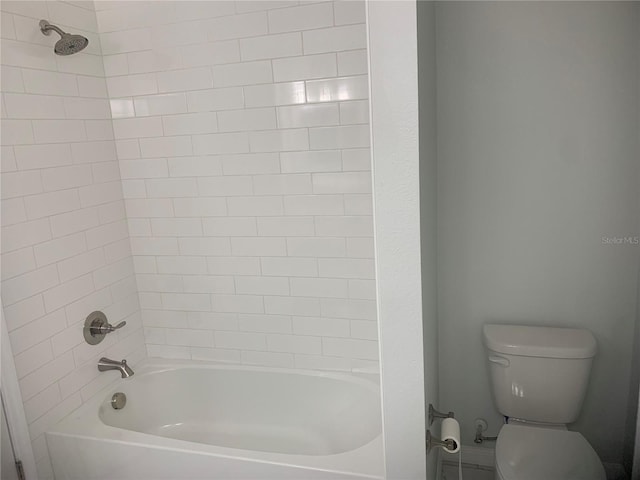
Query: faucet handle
x=96, y=326
x=110, y=328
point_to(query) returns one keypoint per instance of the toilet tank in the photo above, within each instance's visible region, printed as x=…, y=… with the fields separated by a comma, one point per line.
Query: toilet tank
x=539, y=374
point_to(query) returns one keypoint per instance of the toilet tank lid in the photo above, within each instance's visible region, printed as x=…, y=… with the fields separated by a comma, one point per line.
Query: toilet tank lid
x=548, y=342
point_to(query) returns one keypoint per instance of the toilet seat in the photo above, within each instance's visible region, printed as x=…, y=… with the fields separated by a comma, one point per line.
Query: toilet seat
x=534, y=453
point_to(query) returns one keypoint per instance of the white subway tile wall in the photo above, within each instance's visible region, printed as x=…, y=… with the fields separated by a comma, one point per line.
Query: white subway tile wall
x=243, y=139
x=65, y=243
x=202, y=171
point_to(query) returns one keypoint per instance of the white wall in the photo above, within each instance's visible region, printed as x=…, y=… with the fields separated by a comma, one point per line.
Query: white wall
x=241, y=138
x=65, y=245
x=243, y=141
x=394, y=124
x=538, y=160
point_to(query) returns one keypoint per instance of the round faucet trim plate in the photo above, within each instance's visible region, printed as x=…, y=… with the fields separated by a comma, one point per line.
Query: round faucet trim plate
x=92, y=331
x=96, y=326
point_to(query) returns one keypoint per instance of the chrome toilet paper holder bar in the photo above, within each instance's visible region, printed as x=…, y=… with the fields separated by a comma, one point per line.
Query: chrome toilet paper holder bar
x=436, y=442
x=433, y=414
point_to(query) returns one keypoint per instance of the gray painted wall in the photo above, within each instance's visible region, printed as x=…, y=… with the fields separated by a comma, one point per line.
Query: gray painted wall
x=428, y=200
x=631, y=450
x=537, y=161
x=631, y=454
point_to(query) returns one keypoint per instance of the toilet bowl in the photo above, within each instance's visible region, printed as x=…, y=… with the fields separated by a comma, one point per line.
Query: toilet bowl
x=539, y=377
x=538, y=453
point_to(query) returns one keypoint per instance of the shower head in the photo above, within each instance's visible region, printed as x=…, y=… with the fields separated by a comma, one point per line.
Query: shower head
x=68, y=43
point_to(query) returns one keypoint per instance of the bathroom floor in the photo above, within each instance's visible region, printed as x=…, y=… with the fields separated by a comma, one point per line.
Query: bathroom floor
x=469, y=472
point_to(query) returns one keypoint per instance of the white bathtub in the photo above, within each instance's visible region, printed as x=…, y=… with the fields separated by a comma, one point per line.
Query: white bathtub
x=188, y=420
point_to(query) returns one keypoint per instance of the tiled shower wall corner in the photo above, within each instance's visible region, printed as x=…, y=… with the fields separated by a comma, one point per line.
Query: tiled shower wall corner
x=243, y=140
x=65, y=245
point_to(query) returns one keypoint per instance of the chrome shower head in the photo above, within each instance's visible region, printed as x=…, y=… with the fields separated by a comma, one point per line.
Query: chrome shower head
x=68, y=43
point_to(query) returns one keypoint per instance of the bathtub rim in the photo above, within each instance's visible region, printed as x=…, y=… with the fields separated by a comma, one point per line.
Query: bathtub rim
x=365, y=460
x=154, y=365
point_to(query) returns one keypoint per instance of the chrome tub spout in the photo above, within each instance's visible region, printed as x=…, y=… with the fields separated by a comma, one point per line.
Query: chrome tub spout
x=107, y=364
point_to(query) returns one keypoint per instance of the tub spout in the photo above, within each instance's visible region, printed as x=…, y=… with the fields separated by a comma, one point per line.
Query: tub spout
x=107, y=364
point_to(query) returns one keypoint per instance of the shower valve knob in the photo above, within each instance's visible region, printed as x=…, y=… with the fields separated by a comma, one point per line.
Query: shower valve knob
x=110, y=328
x=96, y=327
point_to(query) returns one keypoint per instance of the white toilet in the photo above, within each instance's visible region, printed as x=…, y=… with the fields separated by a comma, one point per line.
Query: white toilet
x=539, y=377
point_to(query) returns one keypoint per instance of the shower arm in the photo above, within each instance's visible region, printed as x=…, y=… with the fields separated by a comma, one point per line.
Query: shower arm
x=46, y=27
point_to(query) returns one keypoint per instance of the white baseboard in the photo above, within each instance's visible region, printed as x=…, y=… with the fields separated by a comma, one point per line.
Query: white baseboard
x=438, y=466
x=615, y=471
x=471, y=455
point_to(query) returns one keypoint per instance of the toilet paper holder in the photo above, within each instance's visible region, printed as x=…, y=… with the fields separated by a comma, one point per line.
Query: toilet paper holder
x=433, y=414
x=448, y=444
x=436, y=442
